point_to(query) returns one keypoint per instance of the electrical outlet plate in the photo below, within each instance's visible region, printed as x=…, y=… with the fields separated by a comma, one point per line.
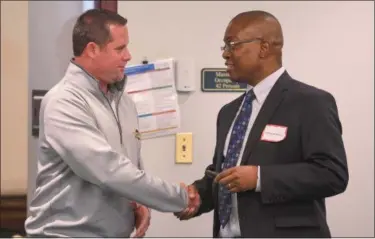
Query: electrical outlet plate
x=184, y=148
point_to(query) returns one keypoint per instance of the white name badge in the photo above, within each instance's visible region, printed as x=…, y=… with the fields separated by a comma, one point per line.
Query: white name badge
x=274, y=133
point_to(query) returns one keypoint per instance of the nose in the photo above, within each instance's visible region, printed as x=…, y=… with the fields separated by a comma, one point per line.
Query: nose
x=127, y=56
x=225, y=54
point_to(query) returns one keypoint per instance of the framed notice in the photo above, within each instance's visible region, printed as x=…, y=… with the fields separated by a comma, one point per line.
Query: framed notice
x=218, y=80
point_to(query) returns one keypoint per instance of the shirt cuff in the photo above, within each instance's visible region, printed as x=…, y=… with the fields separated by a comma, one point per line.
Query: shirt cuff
x=257, y=189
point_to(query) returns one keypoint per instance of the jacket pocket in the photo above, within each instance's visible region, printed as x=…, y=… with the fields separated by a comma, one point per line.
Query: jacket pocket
x=296, y=221
x=296, y=214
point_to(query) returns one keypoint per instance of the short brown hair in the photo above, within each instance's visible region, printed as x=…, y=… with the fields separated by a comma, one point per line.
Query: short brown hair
x=93, y=26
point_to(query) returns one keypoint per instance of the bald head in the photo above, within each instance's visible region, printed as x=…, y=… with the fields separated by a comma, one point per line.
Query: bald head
x=263, y=24
x=253, y=46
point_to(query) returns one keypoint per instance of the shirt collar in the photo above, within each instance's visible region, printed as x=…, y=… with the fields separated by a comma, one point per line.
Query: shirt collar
x=263, y=88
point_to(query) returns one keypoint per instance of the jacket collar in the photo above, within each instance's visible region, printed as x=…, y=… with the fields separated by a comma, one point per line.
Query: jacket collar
x=87, y=80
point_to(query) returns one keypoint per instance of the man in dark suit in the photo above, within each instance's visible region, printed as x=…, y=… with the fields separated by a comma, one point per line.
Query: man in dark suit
x=279, y=150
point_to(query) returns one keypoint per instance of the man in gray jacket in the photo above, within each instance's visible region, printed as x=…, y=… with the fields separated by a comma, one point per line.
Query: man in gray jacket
x=90, y=181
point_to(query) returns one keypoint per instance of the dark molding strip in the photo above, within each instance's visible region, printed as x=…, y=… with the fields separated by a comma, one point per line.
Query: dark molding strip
x=13, y=212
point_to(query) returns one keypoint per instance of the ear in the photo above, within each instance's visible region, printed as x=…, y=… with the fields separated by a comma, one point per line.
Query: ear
x=264, y=49
x=92, y=49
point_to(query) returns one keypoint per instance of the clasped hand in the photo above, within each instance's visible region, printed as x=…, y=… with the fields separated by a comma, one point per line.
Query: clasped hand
x=193, y=205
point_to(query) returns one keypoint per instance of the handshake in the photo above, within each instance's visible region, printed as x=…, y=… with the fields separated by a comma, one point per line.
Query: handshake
x=235, y=179
x=193, y=205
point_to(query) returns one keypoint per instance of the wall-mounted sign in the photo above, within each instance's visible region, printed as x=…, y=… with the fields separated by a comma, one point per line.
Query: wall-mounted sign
x=217, y=80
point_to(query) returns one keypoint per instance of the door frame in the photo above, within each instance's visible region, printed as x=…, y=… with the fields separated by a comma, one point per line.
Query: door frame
x=106, y=4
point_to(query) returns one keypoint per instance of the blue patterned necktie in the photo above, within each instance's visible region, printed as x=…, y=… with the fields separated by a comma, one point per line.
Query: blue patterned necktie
x=233, y=152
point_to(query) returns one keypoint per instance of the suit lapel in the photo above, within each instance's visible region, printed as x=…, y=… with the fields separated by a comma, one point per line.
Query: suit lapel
x=270, y=105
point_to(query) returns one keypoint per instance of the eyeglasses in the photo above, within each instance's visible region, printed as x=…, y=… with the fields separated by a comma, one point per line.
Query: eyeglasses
x=230, y=45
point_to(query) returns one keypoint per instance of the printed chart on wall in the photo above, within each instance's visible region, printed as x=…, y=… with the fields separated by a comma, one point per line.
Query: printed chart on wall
x=152, y=88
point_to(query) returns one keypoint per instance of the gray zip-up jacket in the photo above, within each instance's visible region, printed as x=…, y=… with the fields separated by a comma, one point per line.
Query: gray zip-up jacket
x=89, y=164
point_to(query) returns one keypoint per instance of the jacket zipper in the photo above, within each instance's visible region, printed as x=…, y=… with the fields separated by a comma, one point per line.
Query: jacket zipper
x=114, y=115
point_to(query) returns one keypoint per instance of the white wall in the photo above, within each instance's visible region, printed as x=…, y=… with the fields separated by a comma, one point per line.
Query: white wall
x=14, y=101
x=327, y=44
